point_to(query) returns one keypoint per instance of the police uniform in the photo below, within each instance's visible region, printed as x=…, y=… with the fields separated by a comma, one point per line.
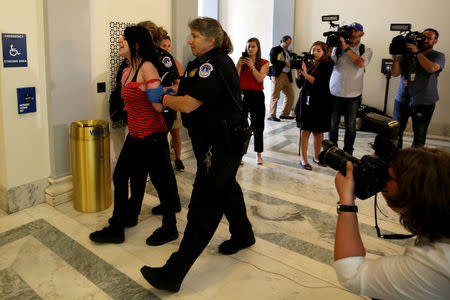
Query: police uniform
x=216, y=191
x=167, y=68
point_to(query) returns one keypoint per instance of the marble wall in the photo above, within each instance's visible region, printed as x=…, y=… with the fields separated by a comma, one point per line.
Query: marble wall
x=23, y=196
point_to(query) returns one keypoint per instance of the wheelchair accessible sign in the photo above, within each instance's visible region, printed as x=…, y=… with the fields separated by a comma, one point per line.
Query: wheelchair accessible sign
x=14, y=50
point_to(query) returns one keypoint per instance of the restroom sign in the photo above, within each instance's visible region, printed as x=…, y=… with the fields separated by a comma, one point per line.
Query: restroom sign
x=14, y=50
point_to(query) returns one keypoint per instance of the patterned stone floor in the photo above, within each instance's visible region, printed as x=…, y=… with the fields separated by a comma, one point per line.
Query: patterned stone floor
x=45, y=252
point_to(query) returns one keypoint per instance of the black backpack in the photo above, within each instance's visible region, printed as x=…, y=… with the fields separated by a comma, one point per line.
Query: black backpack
x=116, y=103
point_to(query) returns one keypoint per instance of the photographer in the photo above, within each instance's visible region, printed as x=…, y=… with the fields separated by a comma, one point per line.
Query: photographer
x=417, y=92
x=346, y=84
x=417, y=189
x=312, y=110
x=252, y=70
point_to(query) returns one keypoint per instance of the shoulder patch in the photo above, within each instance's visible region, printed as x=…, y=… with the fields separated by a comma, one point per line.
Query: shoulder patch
x=167, y=62
x=205, y=70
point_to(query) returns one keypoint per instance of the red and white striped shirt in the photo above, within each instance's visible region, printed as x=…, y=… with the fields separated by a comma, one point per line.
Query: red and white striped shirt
x=143, y=119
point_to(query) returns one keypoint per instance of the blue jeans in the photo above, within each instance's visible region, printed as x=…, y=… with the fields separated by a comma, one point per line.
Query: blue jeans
x=347, y=107
x=421, y=117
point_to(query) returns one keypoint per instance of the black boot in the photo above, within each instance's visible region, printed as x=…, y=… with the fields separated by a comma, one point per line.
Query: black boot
x=158, y=210
x=110, y=234
x=162, y=235
x=159, y=279
x=234, y=245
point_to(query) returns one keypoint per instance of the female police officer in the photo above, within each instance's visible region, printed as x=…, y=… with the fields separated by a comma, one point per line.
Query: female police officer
x=210, y=113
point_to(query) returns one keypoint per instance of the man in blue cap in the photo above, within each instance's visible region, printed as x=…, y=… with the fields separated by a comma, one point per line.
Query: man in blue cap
x=346, y=84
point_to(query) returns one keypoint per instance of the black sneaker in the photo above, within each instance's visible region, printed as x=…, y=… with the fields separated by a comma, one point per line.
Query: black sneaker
x=287, y=117
x=232, y=246
x=179, y=165
x=159, y=279
x=108, y=234
x=162, y=235
x=158, y=210
x=273, y=119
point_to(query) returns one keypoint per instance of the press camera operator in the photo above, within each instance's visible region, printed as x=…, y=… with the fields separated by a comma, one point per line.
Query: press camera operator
x=346, y=84
x=417, y=92
x=417, y=189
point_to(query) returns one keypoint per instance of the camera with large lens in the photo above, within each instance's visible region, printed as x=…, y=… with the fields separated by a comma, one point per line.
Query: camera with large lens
x=370, y=172
x=296, y=60
x=406, y=36
x=334, y=36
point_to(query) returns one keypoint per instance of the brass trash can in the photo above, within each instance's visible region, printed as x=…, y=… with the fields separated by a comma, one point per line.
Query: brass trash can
x=91, y=168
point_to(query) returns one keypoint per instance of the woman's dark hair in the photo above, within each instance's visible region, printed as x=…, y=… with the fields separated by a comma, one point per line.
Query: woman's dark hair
x=324, y=47
x=141, y=45
x=211, y=29
x=423, y=177
x=258, y=53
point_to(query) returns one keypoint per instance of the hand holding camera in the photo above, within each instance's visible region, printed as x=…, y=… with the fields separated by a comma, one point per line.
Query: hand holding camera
x=345, y=185
x=412, y=48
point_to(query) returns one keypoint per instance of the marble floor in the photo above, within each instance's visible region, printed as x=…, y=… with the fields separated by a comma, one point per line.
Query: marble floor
x=45, y=252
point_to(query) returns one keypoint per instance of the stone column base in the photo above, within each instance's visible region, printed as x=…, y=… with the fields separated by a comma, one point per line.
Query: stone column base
x=59, y=191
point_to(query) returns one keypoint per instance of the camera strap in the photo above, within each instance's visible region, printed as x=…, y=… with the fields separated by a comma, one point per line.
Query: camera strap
x=394, y=236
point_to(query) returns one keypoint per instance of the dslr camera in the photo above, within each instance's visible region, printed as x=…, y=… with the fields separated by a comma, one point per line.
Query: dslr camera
x=406, y=36
x=333, y=37
x=370, y=172
x=296, y=60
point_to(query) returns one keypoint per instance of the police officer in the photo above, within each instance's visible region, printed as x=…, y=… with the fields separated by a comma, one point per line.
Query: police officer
x=210, y=102
x=168, y=72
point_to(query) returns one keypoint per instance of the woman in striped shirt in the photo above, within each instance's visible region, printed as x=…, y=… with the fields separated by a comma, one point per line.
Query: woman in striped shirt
x=145, y=150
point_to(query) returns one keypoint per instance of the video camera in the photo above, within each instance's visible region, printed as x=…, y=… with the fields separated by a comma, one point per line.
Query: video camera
x=370, y=172
x=333, y=37
x=296, y=60
x=406, y=36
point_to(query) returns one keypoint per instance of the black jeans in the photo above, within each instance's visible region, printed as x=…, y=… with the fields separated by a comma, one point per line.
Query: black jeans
x=347, y=107
x=215, y=193
x=139, y=157
x=421, y=117
x=253, y=103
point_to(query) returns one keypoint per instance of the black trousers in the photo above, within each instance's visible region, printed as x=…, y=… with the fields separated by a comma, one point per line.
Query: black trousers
x=139, y=157
x=421, y=117
x=253, y=104
x=215, y=193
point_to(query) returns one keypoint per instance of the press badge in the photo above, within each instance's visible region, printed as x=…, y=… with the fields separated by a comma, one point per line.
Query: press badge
x=167, y=62
x=205, y=70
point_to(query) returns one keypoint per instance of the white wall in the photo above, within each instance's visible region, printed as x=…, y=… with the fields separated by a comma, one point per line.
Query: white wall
x=245, y=19
x=24, y=149
x=376, y=16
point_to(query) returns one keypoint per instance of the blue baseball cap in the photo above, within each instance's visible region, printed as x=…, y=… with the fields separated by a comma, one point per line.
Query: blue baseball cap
x=357, y=26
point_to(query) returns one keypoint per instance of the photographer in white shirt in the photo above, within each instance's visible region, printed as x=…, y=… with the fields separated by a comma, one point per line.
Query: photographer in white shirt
x=417, y=189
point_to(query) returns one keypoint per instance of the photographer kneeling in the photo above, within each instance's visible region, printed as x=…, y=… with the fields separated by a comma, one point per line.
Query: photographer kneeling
x=418, y=189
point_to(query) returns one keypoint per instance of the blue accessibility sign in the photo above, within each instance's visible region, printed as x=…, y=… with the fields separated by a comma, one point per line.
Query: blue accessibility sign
x=14, y=50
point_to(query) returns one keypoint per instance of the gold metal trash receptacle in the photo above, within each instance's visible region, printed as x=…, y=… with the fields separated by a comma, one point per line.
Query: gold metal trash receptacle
x=91, y=168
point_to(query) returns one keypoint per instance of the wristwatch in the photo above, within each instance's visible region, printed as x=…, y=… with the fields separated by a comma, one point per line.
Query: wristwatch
x=346, y=208
x=348, y=48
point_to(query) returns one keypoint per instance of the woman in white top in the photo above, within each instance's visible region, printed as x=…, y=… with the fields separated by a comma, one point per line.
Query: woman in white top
x=418, y=189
